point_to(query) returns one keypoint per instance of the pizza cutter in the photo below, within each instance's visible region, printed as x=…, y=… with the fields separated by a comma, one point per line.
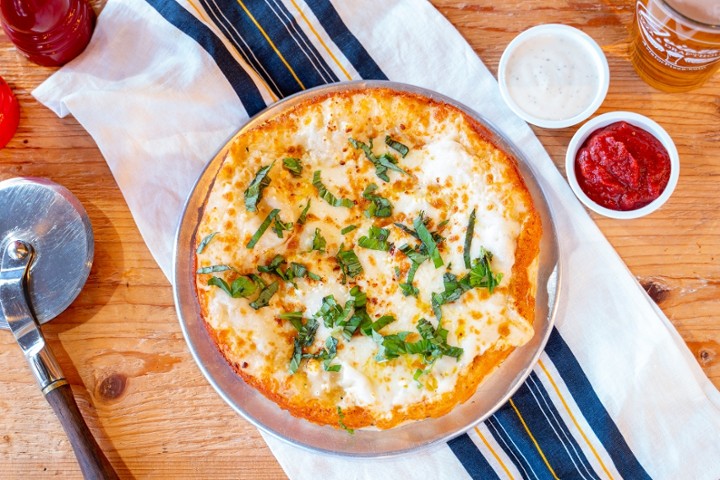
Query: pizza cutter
x=46, y=251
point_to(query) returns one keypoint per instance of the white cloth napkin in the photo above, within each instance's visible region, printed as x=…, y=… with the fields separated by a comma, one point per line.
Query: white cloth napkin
x=159, y=106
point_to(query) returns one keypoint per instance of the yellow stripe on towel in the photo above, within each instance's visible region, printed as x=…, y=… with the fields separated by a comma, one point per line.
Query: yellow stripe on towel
x=272, y=45
x=572, y=417
x=317, y=35
x=492, y=450
x=537, y=447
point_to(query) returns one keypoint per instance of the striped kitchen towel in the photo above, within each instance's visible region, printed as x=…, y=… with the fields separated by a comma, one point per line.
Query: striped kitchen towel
x=616, y=394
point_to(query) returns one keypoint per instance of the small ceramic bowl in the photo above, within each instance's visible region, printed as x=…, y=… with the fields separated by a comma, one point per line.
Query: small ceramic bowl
x=636, y=120
x=553, y=76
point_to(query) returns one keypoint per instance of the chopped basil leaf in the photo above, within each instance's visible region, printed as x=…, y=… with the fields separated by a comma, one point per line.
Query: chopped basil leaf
x=214, y=269
x=279, y=226
x=303, y=214
x=432, y=345
x=408, y=289
x=241, y=287
x=326, y=355
x=263, y=226
x=265, y=295
x=349, y=263
x=416, y=259
x=305, y=338
x=383, y=163
x=295, y=270
x=319, y=242
x=205, y=242
x=413, y=255
x=273, y=266
x=313, y=276
x=293, y=165
x=341, y=416
x=382, y=321
x=348, y=229
x=468, y=239
x=379, y=206
x=376, y=239
x=397, y=146
x=327, y=196
x=479, y=276
x=428, y=241
x=254, y=192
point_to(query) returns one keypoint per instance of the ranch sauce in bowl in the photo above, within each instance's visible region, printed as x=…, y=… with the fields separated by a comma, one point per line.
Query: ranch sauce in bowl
x=553, y=76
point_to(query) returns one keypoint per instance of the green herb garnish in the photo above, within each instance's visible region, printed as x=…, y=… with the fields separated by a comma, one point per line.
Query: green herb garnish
x=241, y=287
x=305, y=338
x=431, y=346
x=204, y=242
x=327, y=196
x=468, y=239
x=265, y=295
x=254, y=192
x=348, y=229
x=376, y=239
x=379, y=206
x=383, y=163
x=293, y=165
x=214, y=269
x=349, y=263
x=341, y=416
x=263, y=226
x=319, y=243
x=397, y=146
x=479, y=276
x=428, y=241
x=279, y=226
x=295, y=270
x=303, y=214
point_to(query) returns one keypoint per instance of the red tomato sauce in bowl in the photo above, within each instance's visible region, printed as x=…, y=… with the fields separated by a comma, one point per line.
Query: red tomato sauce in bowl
x=622, y=167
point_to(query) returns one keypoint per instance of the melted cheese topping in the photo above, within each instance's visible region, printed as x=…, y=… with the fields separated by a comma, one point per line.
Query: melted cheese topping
x=452, y=169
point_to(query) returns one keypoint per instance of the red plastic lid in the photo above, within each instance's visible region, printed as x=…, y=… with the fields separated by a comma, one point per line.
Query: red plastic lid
x=9, y=113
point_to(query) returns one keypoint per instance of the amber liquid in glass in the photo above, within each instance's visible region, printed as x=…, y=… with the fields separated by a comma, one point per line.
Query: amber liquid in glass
x=671, y=51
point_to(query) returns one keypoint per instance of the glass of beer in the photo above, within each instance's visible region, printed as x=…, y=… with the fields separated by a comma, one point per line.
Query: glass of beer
x=675, y=44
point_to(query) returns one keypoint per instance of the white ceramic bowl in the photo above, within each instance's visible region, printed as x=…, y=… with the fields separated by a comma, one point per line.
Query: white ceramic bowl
x=546, y=84
x=633, y=119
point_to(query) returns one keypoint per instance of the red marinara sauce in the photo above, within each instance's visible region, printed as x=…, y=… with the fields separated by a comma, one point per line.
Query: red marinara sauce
x=622, y=167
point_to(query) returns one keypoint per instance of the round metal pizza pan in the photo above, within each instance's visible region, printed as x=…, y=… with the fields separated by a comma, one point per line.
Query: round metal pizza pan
x=495, y=390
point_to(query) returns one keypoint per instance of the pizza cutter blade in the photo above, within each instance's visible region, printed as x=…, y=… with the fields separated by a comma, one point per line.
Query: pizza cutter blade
x=46, y=251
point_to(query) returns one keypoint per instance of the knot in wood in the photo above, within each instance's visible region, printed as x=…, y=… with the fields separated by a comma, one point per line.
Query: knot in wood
x=112, y=386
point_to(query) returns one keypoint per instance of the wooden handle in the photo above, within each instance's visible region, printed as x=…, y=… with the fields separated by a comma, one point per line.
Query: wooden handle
x=93, y=462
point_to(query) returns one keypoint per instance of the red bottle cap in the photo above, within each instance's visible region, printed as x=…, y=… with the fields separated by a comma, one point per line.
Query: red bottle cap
x=9, y=113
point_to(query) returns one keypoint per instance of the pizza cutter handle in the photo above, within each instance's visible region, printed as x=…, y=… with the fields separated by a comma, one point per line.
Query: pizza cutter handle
x=14, y=264
x=93, y=462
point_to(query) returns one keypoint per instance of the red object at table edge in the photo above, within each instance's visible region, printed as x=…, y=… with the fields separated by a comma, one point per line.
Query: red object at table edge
x=48, y=32
x=9, y=113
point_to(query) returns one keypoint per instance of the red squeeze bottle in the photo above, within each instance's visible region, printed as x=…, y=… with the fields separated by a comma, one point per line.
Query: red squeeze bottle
x=9, y=113
x=48, y=32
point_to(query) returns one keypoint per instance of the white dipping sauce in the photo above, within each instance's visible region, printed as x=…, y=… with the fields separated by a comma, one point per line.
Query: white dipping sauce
x=552, y=76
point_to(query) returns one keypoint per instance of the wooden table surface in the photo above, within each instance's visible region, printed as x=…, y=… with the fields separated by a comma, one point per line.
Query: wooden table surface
x=120, y=344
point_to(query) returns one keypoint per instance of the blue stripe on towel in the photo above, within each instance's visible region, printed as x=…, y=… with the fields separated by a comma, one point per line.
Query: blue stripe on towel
x=346, y=41
x=526, y=463
x=592, y=409
x=261, y=33
x=476, y=465
x=530, y=410
x=241, y=82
